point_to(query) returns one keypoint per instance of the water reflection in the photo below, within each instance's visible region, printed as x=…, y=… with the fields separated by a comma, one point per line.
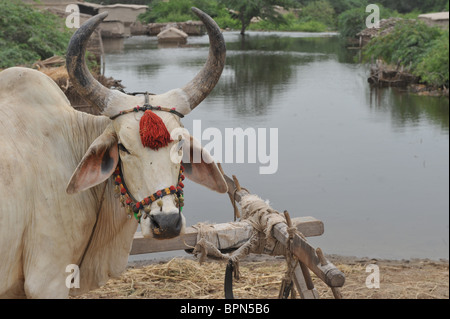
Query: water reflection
x=406, y=109
x=260, y=67
x=327, y=44
x=256, y=80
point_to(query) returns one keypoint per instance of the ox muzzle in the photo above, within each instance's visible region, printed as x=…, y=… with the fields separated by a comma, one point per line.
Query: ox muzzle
x=166, y=225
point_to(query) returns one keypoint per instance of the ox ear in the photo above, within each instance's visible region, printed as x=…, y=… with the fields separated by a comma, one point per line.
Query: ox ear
x=199, y=166
x=97, y=164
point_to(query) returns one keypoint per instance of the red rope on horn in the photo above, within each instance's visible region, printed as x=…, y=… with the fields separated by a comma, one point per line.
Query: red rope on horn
x=153, y=132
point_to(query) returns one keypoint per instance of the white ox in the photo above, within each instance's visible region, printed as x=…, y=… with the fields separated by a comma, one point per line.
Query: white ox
x=58, y=205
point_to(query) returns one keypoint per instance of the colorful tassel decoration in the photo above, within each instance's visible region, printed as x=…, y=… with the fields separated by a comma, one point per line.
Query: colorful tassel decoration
x=153, y=132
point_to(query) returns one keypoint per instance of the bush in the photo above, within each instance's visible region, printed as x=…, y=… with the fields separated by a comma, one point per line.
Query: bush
x=320, y=11
x=180, y=11
x=289, y=23
x=172, y=11
x=311, y=26
x=406, y=44
x=27, y=34
x=434, y=65
x=351, y=22
x=423, y=50
x=340, y=6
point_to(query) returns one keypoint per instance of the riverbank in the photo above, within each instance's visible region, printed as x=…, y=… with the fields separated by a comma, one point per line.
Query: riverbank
x=260, y=278
x=408, y=52
x=388, y=75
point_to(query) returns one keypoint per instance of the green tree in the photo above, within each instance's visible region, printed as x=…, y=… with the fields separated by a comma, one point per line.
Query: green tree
x=320, y=11
x=245, y=10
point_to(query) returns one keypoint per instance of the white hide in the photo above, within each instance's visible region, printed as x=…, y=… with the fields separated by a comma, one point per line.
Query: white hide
x=43, y=229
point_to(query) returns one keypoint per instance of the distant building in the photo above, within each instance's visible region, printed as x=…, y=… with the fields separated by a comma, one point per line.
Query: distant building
x=119, y=20
x=439, y=19
x=117, y=24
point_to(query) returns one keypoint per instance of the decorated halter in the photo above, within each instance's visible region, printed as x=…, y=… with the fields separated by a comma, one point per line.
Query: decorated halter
x=154, y=135
x=135, y=207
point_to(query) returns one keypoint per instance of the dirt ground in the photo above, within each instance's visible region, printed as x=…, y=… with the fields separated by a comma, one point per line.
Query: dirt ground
x=260, y=278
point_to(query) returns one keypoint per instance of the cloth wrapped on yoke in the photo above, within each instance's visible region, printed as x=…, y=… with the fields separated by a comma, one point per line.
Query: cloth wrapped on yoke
x=262, y=218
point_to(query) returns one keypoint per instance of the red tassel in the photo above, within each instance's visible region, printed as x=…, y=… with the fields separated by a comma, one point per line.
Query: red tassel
x=153, y=132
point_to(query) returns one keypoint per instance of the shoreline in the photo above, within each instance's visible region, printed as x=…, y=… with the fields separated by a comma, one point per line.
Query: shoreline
x=254, y=257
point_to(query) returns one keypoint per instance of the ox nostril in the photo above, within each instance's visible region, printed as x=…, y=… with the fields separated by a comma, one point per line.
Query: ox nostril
x=154, y=221
x=166, y=224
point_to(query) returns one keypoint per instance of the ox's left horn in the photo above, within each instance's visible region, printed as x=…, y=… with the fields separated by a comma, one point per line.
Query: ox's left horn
x=83, y=81
x=203, y=83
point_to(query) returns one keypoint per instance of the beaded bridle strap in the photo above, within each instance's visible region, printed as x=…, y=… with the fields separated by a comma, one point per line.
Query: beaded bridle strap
x=133, y=206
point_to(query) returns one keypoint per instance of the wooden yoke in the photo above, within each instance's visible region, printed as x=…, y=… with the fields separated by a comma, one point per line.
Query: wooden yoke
x=299, y=247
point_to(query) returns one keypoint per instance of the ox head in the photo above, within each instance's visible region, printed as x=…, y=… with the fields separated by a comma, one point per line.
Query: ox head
x=145, y=165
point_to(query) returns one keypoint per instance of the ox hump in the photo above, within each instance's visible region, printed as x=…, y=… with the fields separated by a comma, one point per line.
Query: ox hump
x=28, y=88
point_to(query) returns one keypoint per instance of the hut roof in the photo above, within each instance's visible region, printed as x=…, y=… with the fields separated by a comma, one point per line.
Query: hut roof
x=386, y=26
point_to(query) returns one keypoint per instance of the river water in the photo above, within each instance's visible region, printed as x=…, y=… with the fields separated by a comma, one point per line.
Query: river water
x=373, y=165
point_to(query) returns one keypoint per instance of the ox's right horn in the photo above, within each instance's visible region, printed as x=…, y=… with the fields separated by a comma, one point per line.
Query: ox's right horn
x=83, y=81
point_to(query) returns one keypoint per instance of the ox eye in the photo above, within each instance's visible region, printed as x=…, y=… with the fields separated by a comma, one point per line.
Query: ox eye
x=180, y=144
x=180, y=147
x=123, y=148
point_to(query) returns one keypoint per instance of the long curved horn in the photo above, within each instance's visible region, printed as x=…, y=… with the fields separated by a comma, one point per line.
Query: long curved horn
x=83, y=81
x=203, y=83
